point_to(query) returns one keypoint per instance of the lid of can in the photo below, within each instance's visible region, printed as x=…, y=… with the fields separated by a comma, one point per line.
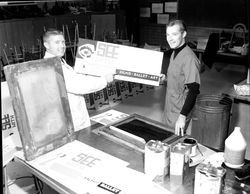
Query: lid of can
x=212, y=171
x=156, y=146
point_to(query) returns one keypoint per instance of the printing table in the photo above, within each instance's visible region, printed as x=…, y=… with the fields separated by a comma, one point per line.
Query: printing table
x=135, y=160
x=139, y=105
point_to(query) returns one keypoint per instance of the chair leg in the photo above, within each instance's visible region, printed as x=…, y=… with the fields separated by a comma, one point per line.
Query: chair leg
x=6, y=56
x=70, y=44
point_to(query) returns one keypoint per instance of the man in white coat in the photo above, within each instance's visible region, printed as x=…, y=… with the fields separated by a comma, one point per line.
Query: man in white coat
x=76, y=84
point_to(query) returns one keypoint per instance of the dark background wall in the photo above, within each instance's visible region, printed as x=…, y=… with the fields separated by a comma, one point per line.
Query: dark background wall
x=214, y=13
x=131, y=9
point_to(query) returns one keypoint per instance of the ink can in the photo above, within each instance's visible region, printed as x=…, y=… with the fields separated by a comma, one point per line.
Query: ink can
x=179, y=163
x=156, y=160
x=209, y=179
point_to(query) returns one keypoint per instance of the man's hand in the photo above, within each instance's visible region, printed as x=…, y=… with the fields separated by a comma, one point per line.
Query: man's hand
x=109, y=77
x=180, y=124
x=163, y=78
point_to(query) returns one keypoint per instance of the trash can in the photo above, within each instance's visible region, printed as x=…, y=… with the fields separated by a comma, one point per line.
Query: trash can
x=211, y=118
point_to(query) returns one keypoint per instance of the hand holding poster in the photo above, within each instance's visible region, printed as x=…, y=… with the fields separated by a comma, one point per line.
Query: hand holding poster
x=127, y=63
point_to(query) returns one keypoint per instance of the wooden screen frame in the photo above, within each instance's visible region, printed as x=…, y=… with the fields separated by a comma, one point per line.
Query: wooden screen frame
x=22, y=80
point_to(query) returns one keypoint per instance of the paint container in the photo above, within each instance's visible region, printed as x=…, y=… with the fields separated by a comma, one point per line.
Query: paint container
x=179, y=163
x=156, y=160
x=209, y=179
x=193, y=145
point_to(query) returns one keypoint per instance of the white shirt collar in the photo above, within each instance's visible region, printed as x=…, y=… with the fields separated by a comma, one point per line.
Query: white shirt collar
x=48, y=55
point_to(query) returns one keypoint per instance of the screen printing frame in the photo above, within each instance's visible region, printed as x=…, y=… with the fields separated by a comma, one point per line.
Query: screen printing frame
x=40, y=103
x=127, y=139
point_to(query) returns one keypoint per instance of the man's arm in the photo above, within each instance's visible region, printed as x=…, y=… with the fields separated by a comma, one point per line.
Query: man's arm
x=82, y=84
x=193, y=91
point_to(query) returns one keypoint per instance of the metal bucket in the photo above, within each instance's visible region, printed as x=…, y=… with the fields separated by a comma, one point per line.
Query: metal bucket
x=211, y=118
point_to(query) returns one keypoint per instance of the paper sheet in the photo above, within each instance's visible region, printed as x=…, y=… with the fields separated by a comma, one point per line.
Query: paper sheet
x=109, y=117
x=84, y=169
x=145, y=12
x=9, y=124
x=157, y=7
x=170, y=7
x=78, y=154
x=9, y=150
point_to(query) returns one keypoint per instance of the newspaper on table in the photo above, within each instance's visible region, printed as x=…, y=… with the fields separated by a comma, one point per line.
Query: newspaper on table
x=127, y=63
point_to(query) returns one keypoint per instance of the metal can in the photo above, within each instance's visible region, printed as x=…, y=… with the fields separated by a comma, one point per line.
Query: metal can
x=209, y=179
x=179, y=163
x=156, y=160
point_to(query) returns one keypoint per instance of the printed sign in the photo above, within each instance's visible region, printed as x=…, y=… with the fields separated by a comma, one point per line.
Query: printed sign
x=145, y=12
x=162, y=18
x=157, y=8
x=114, y=93
x=101, y=99
x=170, y=7
x=128, y=63
x=8, y=116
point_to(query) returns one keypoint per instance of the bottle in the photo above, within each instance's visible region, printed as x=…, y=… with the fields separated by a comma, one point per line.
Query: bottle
x=235, y=149
x=248, y=76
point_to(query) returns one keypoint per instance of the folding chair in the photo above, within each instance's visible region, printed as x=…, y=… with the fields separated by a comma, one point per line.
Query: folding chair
x=69, y=44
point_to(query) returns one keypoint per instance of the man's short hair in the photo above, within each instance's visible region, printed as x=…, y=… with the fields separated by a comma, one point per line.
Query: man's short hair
x=180, y=23
x=51, y=32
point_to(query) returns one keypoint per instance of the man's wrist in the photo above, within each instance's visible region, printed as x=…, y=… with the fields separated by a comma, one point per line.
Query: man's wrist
x=182, y=116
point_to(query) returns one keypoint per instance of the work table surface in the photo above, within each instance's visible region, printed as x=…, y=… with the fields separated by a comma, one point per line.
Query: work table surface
x=136, y=162
x=133, y=157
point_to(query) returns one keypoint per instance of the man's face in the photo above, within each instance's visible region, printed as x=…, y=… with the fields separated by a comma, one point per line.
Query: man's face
x=55, y=45
x=175, y=37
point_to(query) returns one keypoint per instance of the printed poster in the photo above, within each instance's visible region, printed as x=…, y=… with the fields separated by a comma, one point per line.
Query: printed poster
x=9, y=124
x=126, y=62
x=171, y=7
x=145, y=12
x=157, y=8
x=162, y=18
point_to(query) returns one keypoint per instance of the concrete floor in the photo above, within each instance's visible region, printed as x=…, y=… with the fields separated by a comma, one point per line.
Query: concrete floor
x=214, y=81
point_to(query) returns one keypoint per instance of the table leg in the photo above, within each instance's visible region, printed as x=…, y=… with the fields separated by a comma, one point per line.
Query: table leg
x=6, y=189
x=37, y=184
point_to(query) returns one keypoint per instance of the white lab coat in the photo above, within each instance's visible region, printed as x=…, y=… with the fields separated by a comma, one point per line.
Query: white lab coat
x=77, y=85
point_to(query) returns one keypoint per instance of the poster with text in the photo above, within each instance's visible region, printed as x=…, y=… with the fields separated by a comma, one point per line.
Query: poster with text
x=126, y=62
